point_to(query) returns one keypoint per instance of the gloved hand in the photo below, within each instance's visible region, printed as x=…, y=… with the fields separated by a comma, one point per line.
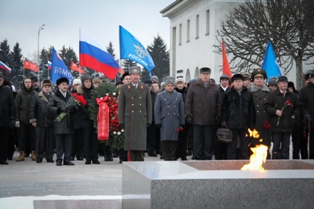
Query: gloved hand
x=12, y=124
x=17, y=124
x=121, y=125
x=147, y=125
x=189, y=120
x=224, y=125
x=64, y=109
x=308, y=118
x=158, y=125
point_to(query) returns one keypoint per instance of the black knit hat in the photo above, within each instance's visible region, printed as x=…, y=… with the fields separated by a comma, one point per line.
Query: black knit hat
x=282, y=79
x=237, y=77
x=61, y=80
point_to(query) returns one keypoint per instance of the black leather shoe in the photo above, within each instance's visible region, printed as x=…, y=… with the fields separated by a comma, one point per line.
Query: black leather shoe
x=39, y=160
x=4, y=162
x=96, y=162
x=88, y=162
x=59, y=163
x=68, y=163
x=161, y=157
x=151, y=154
x=79, y=158
x=49, y=160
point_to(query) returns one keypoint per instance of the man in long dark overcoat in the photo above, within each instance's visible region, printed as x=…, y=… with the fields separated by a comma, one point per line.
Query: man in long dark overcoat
x=135, y=114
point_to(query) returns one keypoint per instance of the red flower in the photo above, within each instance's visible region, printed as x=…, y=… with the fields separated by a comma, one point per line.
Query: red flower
x=178, y=130
x=80, y=98
x=266, y=125
x=288, y=102
x=181, y=128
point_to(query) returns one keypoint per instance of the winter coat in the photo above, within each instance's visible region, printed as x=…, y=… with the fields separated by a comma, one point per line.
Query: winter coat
x=223, y=92
x=183, y=91
x=135, y=112
x=276, y=101
x=238, y=110
x=39, y=111
x=169, y=112
x=306, y=100
x=23, y=103
x=203, y=104
x=262, y=118
x=7, y=106
x=87, y=93
x=57, y=101
x=153, y=99
x=77, y=116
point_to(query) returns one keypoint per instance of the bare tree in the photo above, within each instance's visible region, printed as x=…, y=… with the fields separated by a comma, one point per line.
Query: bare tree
x=288, y=24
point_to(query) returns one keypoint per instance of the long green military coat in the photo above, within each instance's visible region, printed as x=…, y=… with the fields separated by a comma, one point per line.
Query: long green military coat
x=260, y=97
x=135, y=112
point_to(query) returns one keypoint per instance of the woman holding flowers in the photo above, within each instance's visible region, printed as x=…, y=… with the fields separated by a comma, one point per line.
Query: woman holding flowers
x=282, y=107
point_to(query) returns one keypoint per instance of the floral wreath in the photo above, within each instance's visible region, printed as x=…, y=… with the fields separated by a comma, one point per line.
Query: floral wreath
x=103, y=106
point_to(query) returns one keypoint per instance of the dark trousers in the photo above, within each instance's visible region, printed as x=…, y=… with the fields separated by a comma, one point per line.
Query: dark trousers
x=190, y=137
x=299, y=143
x=151, y=139
x=283, y=139
x=45, y=142
x=203, y=145
x=77, y=144
x=311, y=144
x=91, y=142
x=221, y=150
x=63, y=145
x=243, y=146
x=4, y=137
x=157, y=140
x=168, y=148
x=136, y=155
x=12, y=141
x=181, y=148
x=123, y=155
x=28, y=134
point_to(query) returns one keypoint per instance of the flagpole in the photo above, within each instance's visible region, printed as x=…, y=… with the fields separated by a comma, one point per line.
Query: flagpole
x=39, y=29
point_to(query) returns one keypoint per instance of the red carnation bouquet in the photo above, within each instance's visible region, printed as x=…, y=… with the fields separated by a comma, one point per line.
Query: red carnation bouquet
x=114, y=126
x=80, y=99
x=287, y=103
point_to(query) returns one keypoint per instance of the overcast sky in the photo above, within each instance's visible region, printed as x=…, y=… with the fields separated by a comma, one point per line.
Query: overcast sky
x=21, y=19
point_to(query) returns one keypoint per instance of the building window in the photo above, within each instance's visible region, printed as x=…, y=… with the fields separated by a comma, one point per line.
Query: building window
x=197, y=26
x=179, y=71
x=180, y=34
x=188, y=31
x=207, y=22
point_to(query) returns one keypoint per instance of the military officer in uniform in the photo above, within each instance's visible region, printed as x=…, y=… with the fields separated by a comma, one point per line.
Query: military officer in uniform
x=260, y=93
x=135, y=114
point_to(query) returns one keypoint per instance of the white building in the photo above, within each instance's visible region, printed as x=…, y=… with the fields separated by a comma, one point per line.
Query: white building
x=193, y=26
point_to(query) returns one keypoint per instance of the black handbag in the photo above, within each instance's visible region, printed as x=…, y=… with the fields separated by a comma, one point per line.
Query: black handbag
x=224, y=135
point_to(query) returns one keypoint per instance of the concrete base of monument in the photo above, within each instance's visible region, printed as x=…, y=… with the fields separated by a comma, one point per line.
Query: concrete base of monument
x=217, y=184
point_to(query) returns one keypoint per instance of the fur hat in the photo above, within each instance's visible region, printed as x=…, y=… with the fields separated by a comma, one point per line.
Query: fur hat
x=237, y=77
x=77, y=81
x=205, y=70
x=272, y=82
x=61, y=80
x=97, y=80
x=46, y=82
x=154, y=77
x=125, y=74
x=169, y=80
x=180, y=80
x=86, y=77
x=135, y=70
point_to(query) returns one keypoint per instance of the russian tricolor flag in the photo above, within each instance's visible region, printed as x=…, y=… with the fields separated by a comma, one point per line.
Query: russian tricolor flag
x=5, y=67
x=94, y=56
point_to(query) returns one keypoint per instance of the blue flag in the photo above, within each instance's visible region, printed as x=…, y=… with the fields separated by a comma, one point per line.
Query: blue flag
x=270, y=64
x=132, y=49
x=58, y=68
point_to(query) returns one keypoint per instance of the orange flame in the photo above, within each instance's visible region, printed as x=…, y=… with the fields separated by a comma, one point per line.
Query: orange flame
x=257, y=158
x=253, y=133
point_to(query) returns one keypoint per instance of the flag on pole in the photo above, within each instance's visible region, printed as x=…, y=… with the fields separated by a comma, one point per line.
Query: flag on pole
x=59, y=69
x=94, y=56
x=5, y=67
x=31, y=66
x=132, y=49
x=76, y=68
x=270, y=64
x=49, y=65
x=225, y=63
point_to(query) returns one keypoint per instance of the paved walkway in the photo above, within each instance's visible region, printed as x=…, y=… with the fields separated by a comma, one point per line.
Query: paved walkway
x=23, y=182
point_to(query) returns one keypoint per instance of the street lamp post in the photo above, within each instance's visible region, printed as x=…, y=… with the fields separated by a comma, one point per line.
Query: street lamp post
x=38, y=58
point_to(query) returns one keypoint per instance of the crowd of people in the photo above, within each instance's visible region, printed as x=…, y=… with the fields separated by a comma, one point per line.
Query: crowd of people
x=172, y=118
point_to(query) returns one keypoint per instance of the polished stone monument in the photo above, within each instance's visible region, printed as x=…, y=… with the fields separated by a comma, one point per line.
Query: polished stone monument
x=217, y=184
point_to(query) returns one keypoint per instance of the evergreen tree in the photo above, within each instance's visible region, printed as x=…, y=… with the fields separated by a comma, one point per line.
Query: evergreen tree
x=160, y=55
x=16, y=75
x=6, y=57
x=110, y=50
